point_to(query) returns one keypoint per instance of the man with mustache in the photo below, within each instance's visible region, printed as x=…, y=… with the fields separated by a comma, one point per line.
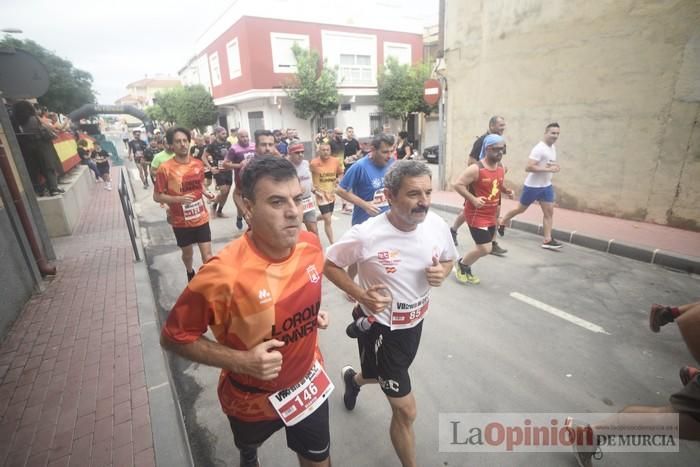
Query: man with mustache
x=400, y=255
x=261, y=296
x=481, y=185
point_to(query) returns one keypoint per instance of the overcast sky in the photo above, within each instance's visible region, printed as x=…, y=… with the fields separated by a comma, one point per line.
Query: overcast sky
x=124, y=40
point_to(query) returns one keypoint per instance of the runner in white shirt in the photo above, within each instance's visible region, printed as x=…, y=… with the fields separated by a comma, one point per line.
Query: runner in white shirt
x=541, y=166
x=400, y=254
x=296, y=157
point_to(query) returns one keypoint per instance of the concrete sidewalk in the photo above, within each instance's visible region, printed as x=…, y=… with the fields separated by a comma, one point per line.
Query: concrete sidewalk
x=651, y=243
x=73, y=389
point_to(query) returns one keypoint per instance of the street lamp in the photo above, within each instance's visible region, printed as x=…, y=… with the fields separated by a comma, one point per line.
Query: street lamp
x=11, y=30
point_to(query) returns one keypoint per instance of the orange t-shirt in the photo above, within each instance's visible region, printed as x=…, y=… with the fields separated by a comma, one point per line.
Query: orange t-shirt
x=177, y=179
x=247, y=298
x=324, y=176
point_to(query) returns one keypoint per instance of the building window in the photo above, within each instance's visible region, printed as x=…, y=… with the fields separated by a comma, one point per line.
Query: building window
x=256, y=121
x=354, y=55
x=401, y=52
x=283, y=60
x=376, y=123
x=214, y=68
x=234, y=59
x=345, y=106
x=328, y=122
x=355, y=69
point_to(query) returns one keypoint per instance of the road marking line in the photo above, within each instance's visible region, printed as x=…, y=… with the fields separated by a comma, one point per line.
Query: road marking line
x=158, y=386
x=559, y=313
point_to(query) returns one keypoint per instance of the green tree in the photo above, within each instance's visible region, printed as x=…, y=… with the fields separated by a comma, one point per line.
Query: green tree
x=69, y=87
x=400, y=90
x=313, y=89
x=188, y=106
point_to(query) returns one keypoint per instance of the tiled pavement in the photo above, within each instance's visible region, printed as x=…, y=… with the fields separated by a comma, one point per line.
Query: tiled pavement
x=72, y=382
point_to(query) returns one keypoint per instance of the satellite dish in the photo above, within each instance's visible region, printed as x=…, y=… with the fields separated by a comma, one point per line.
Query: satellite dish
x=22, y=75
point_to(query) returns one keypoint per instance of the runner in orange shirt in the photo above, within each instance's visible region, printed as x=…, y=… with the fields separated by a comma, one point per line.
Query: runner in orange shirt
x=180, y=185
x=261, y=298
x=325, y=174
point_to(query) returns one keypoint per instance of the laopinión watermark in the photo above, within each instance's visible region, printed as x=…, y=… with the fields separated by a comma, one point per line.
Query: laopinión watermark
x=546, y=432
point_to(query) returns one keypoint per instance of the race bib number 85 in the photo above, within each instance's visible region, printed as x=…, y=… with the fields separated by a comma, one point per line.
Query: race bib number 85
x=407, y=315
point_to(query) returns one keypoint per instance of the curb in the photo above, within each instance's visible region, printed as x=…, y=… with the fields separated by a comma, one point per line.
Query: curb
x=170, y=443
x=644, y=254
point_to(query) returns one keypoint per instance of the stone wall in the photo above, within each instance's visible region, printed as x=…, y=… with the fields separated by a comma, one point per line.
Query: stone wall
x=622, y=78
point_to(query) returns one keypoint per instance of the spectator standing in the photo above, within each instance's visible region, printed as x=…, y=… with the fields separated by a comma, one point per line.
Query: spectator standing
x=39, y=154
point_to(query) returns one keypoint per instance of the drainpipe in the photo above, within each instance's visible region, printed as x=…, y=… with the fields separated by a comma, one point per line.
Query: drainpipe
x=44, y=267
x=442, y=156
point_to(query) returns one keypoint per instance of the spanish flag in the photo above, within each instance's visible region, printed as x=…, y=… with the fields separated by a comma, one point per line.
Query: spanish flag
x=67, y=149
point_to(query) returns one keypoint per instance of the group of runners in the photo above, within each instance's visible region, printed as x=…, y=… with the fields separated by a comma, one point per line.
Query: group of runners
x=482, y=185
x=261, y=294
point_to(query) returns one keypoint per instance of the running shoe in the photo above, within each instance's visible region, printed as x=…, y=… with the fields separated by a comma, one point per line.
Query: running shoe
x=552, y=245
x=660, y=315
x=249, y=457
x=465, y=277
x=351, y=388
x=454, y=236
x=501, y=229
x=497, y=250
x=687, y=374
x=583, y=443
x=239, y=223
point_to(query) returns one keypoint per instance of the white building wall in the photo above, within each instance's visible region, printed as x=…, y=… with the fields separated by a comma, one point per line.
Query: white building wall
x=357, y=117
x=283, y=117
x=274, y=117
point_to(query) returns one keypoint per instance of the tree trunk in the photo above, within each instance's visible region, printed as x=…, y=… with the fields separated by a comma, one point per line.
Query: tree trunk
x=313, y=137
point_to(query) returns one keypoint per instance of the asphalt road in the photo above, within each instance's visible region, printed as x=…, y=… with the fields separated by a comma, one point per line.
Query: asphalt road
x=485, y=348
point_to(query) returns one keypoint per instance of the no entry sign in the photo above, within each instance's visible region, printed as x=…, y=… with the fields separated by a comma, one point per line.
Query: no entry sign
x=431, y=91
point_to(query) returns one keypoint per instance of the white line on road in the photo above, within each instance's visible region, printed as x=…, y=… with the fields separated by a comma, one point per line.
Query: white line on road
x=559, y=313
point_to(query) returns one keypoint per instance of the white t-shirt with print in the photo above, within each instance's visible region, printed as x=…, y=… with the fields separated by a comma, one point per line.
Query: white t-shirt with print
x=386, y=255
x=304, y=174
x=543, y=154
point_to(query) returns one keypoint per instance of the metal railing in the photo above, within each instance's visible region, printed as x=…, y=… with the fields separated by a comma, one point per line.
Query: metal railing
x=124, y=197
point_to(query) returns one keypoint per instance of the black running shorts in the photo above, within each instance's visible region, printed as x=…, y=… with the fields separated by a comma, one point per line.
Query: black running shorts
x=223, y=178
x=310, y=438
x=386, y=355
x=186, y=236
x=482, y=235
x=326, y=208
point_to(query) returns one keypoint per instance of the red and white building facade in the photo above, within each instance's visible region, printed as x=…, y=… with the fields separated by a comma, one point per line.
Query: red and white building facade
x=245, y=59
